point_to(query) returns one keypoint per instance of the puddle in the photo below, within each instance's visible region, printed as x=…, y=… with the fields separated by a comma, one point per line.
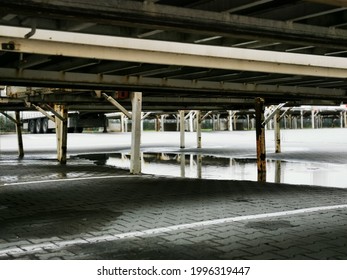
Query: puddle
x=226, y=168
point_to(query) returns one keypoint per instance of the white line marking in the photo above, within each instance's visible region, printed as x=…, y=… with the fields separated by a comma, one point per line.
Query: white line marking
x=58, y=245
x=73, y=179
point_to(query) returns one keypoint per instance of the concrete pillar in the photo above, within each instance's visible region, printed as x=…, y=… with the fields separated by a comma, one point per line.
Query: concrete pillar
x=135, y=158
x=260, y=136
x=277, y=131
x=19, y=125
x=61, y=132
x=182, y=129
x=198, y=129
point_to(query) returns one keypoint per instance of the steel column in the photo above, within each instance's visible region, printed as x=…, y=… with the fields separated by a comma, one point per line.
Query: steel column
x=313, y=119
x=277, y=132
x=19, y=125
x=260, y=136
x=341, y=119
x=135, y=163
x=230, y=120
x=191, y=121
x=198, y=129
x=61, y=132
x=182, y=129
x=157, y=123
x=162, y=123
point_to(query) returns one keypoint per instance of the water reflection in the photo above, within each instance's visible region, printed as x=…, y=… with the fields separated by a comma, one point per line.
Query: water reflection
x=211, y=167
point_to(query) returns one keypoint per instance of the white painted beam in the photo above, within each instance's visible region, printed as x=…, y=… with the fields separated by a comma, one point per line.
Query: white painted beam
x=50, y=42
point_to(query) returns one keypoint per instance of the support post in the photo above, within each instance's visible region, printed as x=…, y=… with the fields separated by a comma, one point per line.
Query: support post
x=230, y=120
x=162, y=123
x=191, y=121
x=260, y=136
x=135, y=163
x=122, y=123
x=312, y=119
x=345, y=116
x=61, y=132
x=218, y=122
x=302, y=119
x=277, y=132
x=157, y=123
x=182, y=130
x=125, y=123
x=198, y=129
x=248, y=123
x=19, y=125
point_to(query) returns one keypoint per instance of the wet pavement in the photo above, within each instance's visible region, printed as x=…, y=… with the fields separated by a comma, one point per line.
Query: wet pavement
x=90, y=209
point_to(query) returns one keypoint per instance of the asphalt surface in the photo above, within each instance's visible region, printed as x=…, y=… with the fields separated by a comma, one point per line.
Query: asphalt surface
x=88, y=210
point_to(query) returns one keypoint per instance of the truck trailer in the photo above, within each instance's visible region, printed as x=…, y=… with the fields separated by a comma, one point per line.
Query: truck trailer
x=36, y=122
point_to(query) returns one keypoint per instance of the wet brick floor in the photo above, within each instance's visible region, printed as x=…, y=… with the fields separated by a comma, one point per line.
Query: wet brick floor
x=84, y=212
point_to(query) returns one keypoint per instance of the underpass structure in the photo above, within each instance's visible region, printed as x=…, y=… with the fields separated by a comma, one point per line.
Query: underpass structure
x=170, y=56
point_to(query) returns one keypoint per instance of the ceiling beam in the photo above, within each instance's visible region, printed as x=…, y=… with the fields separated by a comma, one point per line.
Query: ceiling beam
x=338, y=3
x=164, y=86
x=161, y=17
x=80, y=45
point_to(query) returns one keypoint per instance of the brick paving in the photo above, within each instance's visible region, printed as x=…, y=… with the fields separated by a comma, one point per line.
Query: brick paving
x=79, y=219
x=84, y=211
